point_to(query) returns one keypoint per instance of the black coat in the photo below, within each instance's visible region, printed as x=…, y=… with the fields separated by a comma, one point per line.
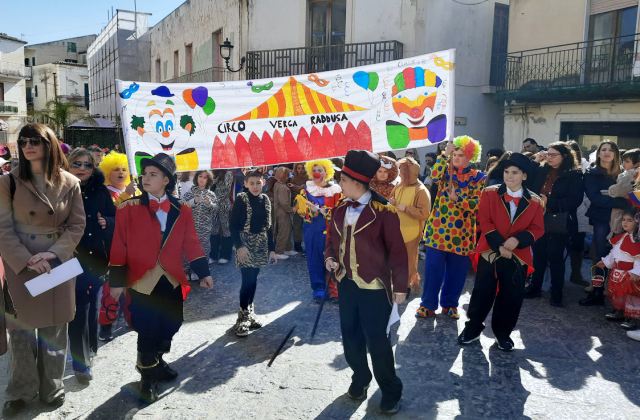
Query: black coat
x=93, y=250
x=596, y=180
x=566, y=194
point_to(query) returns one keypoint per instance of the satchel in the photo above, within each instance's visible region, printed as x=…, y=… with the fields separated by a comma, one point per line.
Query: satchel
x=556, y=223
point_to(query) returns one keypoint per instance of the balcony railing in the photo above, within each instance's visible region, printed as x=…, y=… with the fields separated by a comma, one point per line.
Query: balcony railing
x=13, y=70
x=598, y=69
x=290, y=61
x=212, y=74
x=8, y=107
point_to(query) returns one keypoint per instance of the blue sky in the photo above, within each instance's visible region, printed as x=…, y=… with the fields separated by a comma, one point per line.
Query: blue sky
x=37, y=21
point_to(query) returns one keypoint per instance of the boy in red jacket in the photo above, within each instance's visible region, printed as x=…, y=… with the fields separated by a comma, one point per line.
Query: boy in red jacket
x=511, y=220
x=154, y=233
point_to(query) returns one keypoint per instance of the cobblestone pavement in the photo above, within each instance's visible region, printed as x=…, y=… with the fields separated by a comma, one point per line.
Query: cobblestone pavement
x=569, y=363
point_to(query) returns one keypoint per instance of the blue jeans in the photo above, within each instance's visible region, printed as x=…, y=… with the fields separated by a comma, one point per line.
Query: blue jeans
x=600, y=232
x=446, y=271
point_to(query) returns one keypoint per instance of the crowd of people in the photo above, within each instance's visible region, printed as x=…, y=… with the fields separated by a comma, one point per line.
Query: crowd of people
x=362, y=222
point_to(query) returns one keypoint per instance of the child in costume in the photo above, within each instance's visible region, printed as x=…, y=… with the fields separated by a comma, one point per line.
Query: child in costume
x=386, y=177
x=283, y=210
x=623, y=262
x=320, y=196
x=251, y=233
x=623, y=186
x=366, y=252
x=296, y=184
x=221, y=243
x=511, y=220
x=153, y=235
x=115, y=168
x=451, y=228
x=413, y=203
x=204, y=203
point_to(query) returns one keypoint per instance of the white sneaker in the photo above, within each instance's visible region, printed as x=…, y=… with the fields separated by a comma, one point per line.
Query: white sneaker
x=282, y=257
x=193, y=277
x=222, y=261
x=634, y=335
x=290, y=253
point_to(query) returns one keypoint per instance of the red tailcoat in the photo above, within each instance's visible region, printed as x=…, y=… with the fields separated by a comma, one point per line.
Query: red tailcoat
x=138, y=244
x=380, y=249
x=494, y=219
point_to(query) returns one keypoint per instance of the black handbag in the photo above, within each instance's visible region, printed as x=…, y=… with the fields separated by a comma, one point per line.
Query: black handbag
x=556, y=223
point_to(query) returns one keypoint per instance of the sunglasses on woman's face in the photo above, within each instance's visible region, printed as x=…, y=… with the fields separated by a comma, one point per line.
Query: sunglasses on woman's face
x=35, y=141
x=85, y=165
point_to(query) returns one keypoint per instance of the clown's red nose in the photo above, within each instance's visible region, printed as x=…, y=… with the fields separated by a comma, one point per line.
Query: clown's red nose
x=415, y=113
x=317, y=175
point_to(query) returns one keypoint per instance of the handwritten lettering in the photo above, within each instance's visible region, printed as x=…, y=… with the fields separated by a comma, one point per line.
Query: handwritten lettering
x=322, y=119
x=231, y=127
x=283, y=123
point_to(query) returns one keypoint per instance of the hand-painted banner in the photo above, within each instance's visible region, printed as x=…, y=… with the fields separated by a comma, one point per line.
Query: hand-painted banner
x=394, y=105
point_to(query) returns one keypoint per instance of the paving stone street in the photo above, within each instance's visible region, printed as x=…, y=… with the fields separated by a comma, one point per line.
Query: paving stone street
x=569, y=363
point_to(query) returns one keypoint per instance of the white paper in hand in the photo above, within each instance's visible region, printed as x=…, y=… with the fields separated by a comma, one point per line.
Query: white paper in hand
x=394, y=317
x=47, y=281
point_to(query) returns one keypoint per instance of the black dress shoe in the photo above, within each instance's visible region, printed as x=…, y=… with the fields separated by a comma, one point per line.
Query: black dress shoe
x=56, y=402
x=593, y=299
x=357, y=393
x=148, y=390
x=505, y=344
x=12, y=408
x=389, y=408
x=165, y=372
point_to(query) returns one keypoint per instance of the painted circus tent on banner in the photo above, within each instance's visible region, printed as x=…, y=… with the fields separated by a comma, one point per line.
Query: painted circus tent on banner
x=395, y=105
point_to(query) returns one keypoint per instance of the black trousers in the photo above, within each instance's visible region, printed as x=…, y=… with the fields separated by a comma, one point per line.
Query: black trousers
x=549, y=250
x=364, y=315
x=248, y=287
x=83, y=330
x=156, y=318
x=509, y=277
x=221, y=247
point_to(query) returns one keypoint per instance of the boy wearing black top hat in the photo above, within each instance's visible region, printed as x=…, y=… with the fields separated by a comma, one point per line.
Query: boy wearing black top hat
x=153, y=234
x=511, y=220
x=366, y=252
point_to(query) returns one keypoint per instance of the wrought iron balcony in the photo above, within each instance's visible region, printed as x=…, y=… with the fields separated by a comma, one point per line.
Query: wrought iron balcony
x=599, y=69
x=212, y=74
x=290, y=61
x=8, y=107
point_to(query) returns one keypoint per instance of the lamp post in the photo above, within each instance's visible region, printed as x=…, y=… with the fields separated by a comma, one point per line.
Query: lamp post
x=225, y=53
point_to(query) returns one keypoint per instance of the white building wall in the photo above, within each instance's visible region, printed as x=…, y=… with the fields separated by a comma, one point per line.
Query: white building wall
x=542, y=122
x=64, y=81
x=194, y=23
x=121, y=51
x=12, y=74
x=51, y=52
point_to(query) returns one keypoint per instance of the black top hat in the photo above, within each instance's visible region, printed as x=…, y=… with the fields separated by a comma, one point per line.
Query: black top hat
x=520, y=161
x=361, y=165
x=162, y=161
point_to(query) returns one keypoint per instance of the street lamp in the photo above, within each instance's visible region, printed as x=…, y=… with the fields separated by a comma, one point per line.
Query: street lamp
x=225, y=53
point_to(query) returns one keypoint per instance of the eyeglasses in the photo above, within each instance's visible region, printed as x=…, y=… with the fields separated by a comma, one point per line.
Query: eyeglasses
x=35, y=141
x=78, y=165
x=553, y=154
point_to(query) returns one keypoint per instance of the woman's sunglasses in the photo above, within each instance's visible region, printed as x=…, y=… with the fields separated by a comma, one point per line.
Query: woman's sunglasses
x=78, y=165
x=35, y=141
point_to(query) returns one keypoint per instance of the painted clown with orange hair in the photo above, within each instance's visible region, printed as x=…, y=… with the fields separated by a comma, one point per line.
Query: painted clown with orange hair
x=451, y=229
x=314, y=205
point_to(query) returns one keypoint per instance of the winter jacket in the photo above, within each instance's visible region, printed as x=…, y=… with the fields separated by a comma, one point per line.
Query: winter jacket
x=596, y=181
x=566, y=194
x=93, y=250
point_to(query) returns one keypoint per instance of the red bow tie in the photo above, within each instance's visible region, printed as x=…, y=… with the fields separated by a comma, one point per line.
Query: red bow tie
x=354, y=204
x=508, y=198
x=155, y=206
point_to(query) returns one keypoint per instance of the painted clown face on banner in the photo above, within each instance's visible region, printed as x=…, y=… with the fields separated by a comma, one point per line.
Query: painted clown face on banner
x=414, y=94
x=165, y=125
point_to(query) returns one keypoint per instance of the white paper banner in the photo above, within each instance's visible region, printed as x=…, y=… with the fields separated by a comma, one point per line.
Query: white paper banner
x=394, y=105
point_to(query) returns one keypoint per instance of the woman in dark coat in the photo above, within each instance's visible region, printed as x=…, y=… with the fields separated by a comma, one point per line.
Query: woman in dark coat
x=597, y=181
x=559, y=183
x=93, y=253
